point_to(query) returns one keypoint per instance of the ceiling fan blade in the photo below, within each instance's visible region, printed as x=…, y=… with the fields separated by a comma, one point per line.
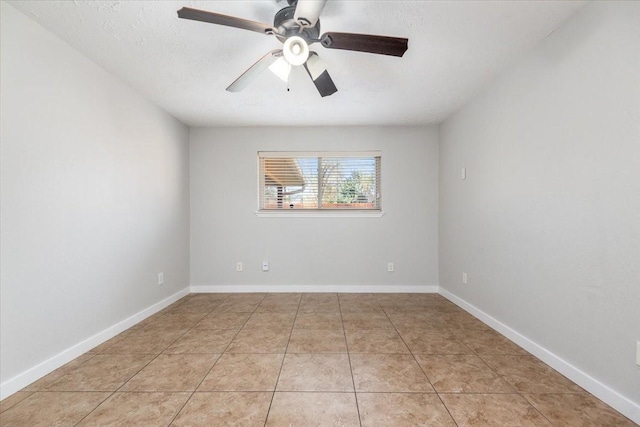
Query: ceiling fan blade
x=281, y=68
x=255, y=70
x=308, y=11
x=220, y=19
x=394, y=46
x=319, y=75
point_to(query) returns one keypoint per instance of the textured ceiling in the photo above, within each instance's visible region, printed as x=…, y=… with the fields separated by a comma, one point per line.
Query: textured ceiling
x=455, y=47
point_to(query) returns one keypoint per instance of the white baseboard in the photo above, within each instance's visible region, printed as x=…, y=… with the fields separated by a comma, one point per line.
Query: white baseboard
x=31, y=375
x=614, y=399
x=314, y=288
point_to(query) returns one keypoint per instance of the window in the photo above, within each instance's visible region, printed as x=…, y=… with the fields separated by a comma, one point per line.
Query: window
x=319, y=181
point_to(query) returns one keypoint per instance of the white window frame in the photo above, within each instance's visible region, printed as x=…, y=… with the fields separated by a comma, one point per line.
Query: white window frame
x=326, y=212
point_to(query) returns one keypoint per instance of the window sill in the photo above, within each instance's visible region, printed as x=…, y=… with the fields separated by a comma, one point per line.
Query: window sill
x=319, y=214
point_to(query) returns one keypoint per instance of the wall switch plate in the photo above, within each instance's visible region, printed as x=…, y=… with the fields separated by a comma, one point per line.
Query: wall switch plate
x=463, y=173
x=265, y=266
x=465, y=279
x=238, y=266
x=638, y=353
x=391, y=268
x=160, y=278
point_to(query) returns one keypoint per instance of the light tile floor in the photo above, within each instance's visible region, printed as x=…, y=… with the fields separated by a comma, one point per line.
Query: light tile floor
x=307, y=360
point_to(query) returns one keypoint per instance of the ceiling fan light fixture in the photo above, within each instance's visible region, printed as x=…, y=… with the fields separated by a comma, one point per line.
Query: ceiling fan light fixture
x=296, y=50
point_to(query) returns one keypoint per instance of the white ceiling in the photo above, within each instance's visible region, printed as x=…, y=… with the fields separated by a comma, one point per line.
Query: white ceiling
x=455, y=48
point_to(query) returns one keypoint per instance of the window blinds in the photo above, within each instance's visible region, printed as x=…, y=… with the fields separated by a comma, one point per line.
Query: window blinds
x=319, y=180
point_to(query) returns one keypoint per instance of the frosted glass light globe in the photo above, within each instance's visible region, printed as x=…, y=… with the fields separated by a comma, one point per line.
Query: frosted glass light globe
x=296, y=50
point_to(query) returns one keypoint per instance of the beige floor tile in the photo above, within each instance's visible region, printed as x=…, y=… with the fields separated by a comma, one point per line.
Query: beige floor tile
x=319, y=297
x=527, y=374
x=578, y=410
x=212, y=297
x=475, y=370
x=277, y=307
x=243, y=372
x=317, y=341
x=462, y=374
x=491, y=410
x=137, y=409
x=270, y=321
x=319, y=307
x=388, y=373
x=390, y=308
x=318, y=321
x=217, y=320
x=149, y=320
x=417, y=321
x=174, y=305
x=14, y=399
x=100, y=348
x=172, y=372
x=315, y=372
x=283, y=297
x=175, y=321
x=363, y=298
x=197, y=305
x=461, y=320
x=319, y=303
x=375, y=341
x=361, y=307
x=224, y=409
x=237, y=306
x=403, y=410
x=103, y=372
x=145, y=341
x=249, y=296
x=366, y=321
x=260, y=341
x=52, y=409
x=43, y=383
x=313, y=409
x=488, y=342
x=433, y=342
x=202, y=341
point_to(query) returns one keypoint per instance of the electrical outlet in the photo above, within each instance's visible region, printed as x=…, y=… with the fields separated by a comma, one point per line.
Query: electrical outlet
x=463, y=173
x=238, y=266
x=265, y=265
x=464, y=279
x=638, y=353
x=160, y=278
x=391, y=268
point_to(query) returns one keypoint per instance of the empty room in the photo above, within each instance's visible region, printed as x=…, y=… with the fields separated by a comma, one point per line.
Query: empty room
x=319, y=213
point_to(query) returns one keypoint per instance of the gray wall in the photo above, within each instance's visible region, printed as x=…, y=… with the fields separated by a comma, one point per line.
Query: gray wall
x=313, y=253
x=547, y=223
x=94, y=184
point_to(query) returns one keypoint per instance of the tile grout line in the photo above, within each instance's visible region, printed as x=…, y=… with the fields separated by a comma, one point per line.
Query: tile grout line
x=421, y=369
x=353, y=381
x=284, y=356
x=218, y=358
x=137, y=372
x=503, y=377
x=479, y=356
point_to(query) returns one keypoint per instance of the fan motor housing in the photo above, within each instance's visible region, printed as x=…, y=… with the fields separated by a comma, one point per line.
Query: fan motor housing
x=287, y=26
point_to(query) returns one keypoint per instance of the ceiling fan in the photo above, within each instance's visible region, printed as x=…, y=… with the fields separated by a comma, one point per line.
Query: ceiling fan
x=297, y=26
